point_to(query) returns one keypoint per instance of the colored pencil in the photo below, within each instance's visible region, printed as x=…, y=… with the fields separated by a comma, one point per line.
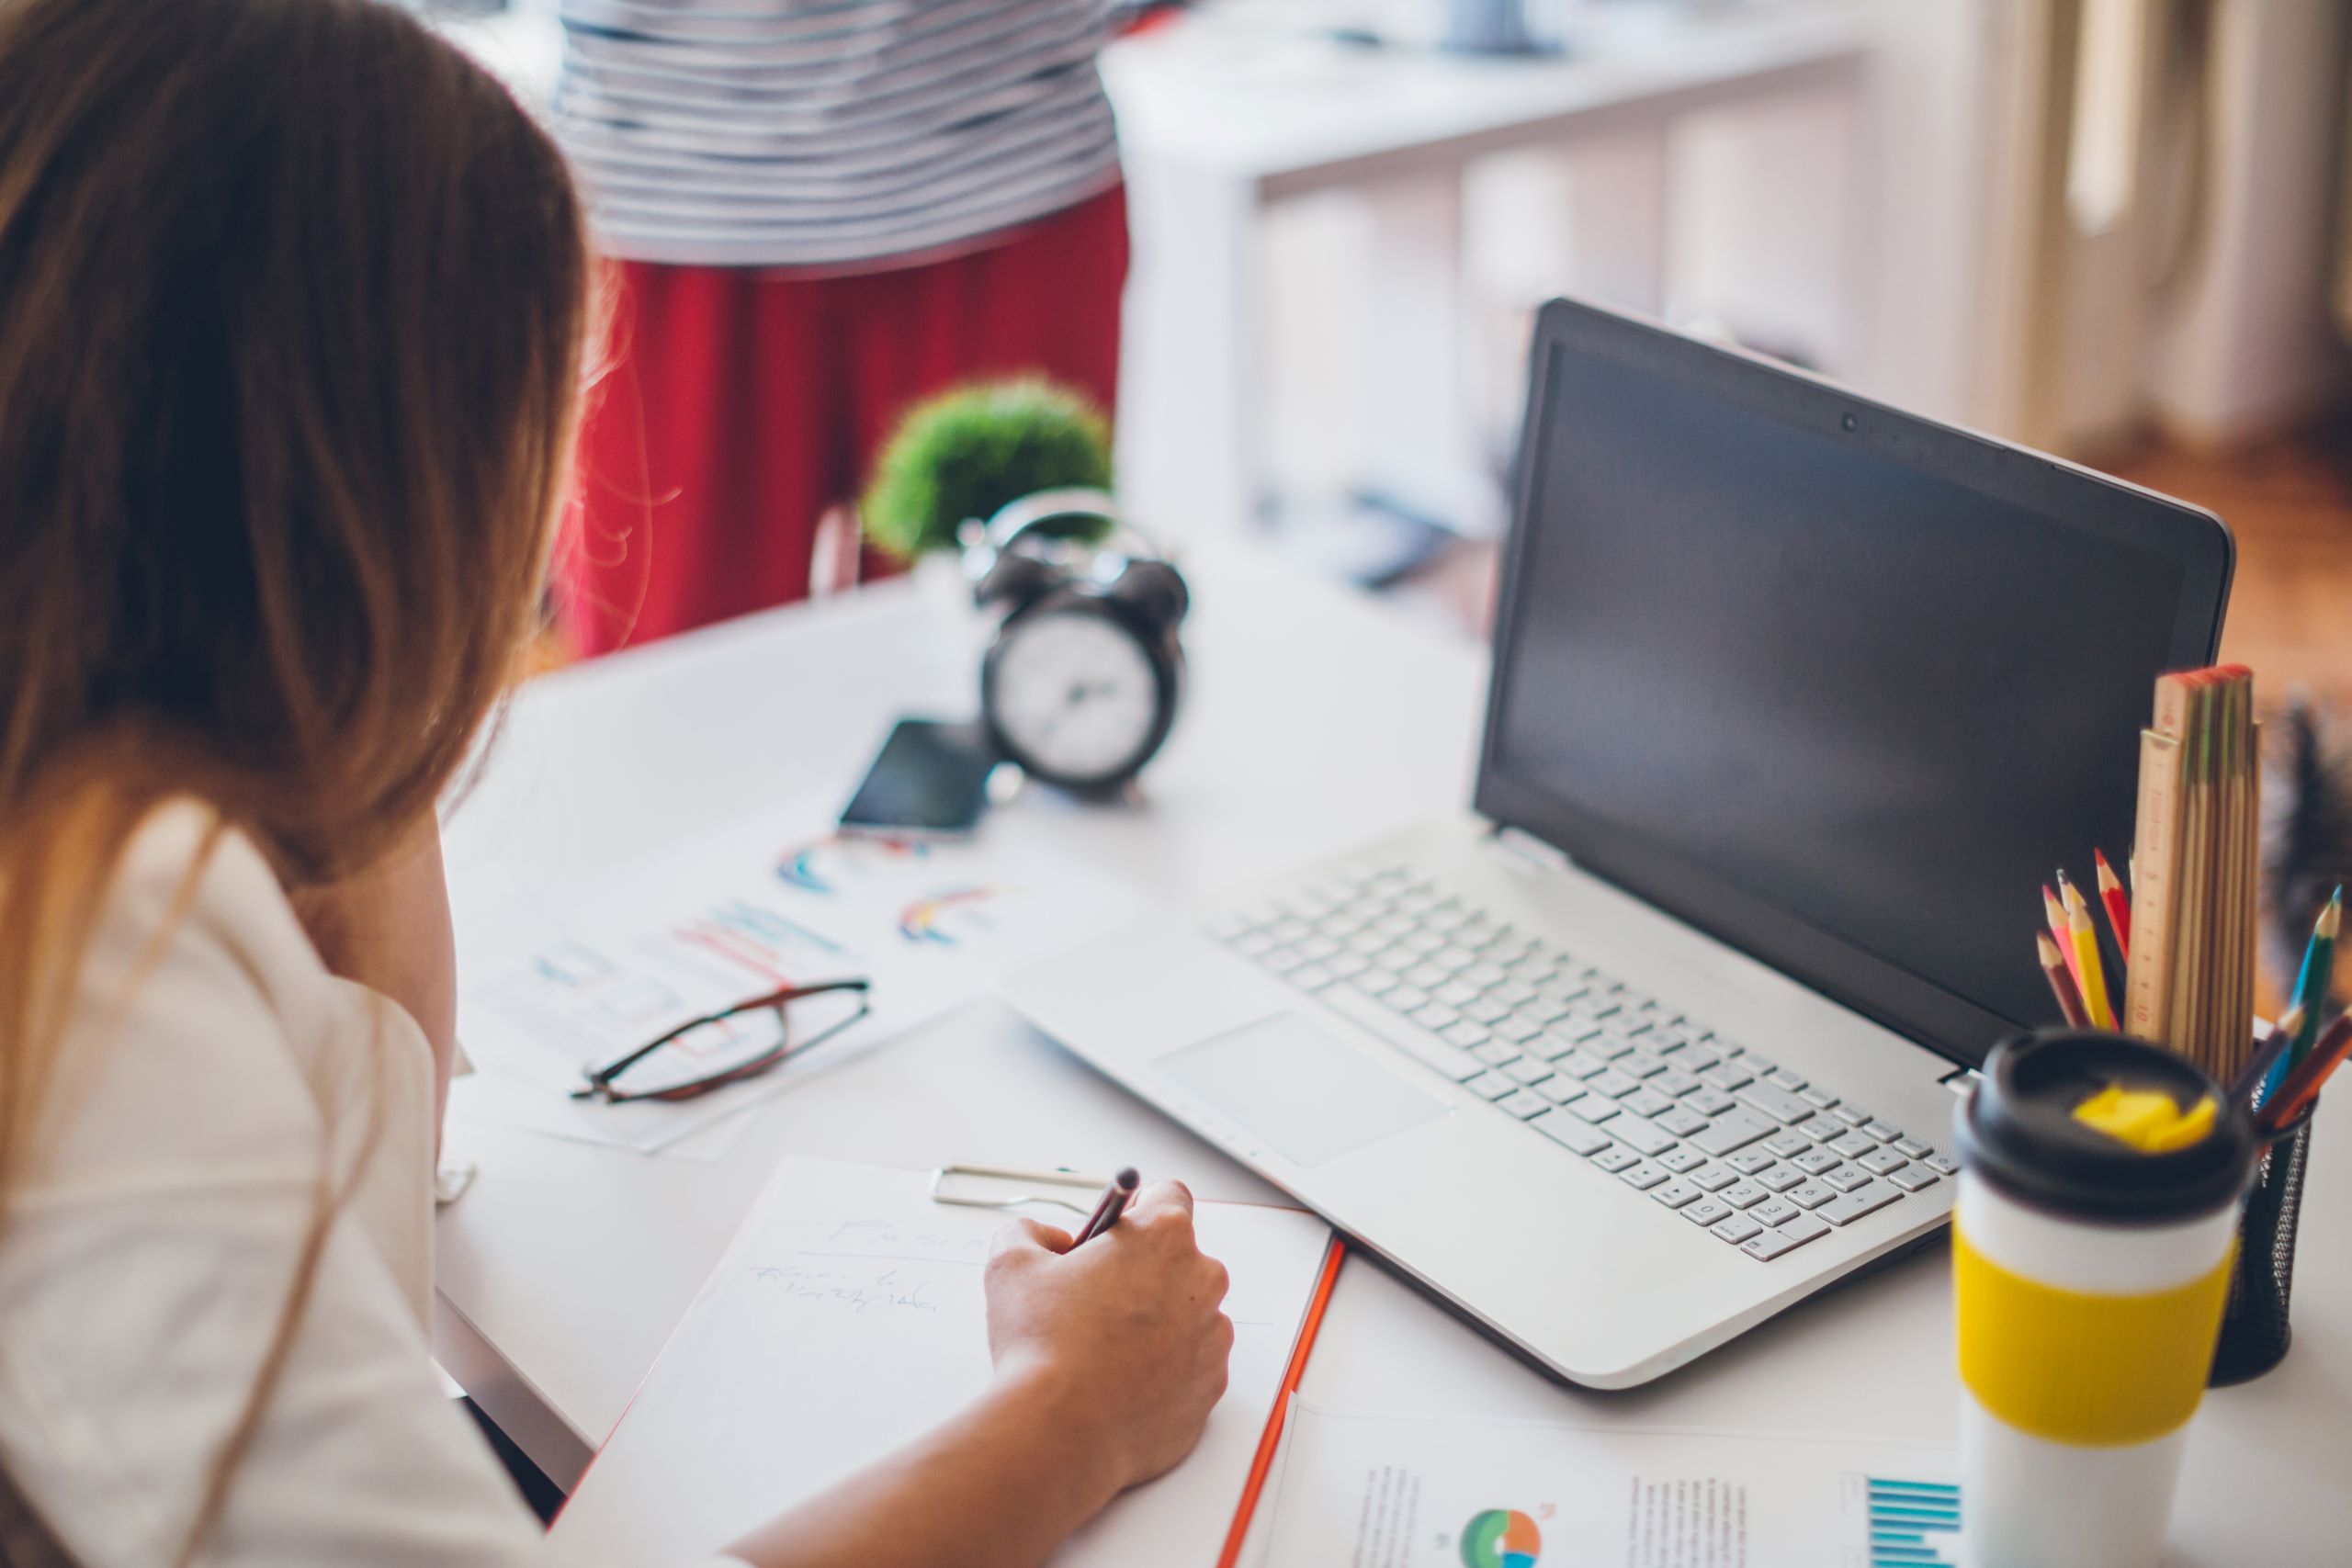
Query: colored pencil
x=2266, y=1057
x=2118, y=904
x=2088, y=973
x=2319, y=967
x=2062, y=984
x=2310, y=1076
x=2055, y=913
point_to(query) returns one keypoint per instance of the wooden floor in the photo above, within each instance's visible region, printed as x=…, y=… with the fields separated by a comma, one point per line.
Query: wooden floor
x=2290, y=504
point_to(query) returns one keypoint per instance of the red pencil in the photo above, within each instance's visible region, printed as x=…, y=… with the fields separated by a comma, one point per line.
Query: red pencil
x=2118, y=904
x=2309, y=1075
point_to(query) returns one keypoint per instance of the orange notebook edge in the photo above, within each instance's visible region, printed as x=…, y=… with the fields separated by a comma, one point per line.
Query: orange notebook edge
x=1270, y=1440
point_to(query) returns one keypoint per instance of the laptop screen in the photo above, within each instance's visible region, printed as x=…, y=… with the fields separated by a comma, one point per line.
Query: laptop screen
x=1846, y=697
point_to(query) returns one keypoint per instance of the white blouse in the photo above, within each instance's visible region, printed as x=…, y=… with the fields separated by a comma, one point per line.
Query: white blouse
x=213, y=1087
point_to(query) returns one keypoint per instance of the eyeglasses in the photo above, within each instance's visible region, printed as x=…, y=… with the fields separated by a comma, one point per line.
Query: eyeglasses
x=718, y=1037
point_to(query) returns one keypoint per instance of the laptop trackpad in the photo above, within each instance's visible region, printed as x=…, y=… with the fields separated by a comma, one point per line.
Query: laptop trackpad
x=1303, y=1093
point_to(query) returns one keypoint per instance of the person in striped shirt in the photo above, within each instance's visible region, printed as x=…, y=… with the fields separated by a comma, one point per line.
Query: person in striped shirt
x=819, y=211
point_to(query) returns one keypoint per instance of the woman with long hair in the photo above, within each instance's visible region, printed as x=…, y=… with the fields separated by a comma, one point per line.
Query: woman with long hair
x=293, y=308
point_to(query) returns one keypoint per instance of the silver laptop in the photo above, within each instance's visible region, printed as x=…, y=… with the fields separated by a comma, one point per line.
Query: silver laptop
x=1796, y=702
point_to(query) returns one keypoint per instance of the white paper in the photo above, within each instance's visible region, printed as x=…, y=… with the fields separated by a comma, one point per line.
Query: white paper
x=846, y=1319
x=565, y=976
x=1408, y=1491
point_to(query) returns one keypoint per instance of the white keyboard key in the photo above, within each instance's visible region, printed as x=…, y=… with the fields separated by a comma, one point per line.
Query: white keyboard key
x=1519, y=1029
x=1485, y=976
x=1455, y=994
x=1728, y=1077
x=1646, y=1102
x=1744, y=1195
x=1878, y=1162
x=1733, y=1130
x=1579, y=1136
x=1852, y=1115
x=1705, y=1211
x=1804, y=1228
x=1680, y=1120
x=1682, y=1159
x=1735, y=1229
x=1909, y=1149
x=1715, y=1178
x=1560, y=1091
x=1674, y=1194
x=1777, y=1104
x=1435, y=1016
x=1823, y=1130
x=1780, y=1178
x=1428, y=976
x=1759, y=1158
x=1769, y=1245
x=1846, y=1177
x=1491, y=1084
x=1782, y=1078
x=1311, y=978
x=1883, y=1131
x=1528, y=1070
x=1643, y=1177
x=1485, y=1009
x=1853, y=1144
x=1525, y=1103
x=1407, y=999
x=1941, y=1164
x=1773, y=1211
x=1579, y=1065
x=1641, y=1134
x=1818, y=1098
x=1477, y=1042
x=1709, y=1101
x=1348, y=965
x=1640, y=1064
x=1374, y=983
x=1317, y=949
x=1911, y=1178
x=1804, y=1194
x=1596, y=1108
x=1813, y=1162
x=1676, y=1083
x=1616, y=1158
x=1859, y=1201
x=1613, y=1083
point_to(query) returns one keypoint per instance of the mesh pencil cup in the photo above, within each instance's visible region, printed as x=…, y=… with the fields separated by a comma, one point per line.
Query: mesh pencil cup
x=2089, y=1275
x=2254, y=1331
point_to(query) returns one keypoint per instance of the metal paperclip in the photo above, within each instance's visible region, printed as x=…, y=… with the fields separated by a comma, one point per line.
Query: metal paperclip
x=1073, y=1180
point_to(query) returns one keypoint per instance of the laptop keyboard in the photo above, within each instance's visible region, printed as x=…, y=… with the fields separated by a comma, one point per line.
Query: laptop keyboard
x=1716, y=1133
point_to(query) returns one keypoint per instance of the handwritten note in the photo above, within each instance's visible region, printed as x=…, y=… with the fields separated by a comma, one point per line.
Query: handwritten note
x=846, y=1318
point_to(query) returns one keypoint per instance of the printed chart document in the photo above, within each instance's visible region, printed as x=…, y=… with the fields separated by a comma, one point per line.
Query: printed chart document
x=574, y=975
x=847, y=1319
x=1391, y=1492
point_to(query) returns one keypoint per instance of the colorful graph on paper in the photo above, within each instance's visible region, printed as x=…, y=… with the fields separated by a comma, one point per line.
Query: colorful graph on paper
x=1500, y=1538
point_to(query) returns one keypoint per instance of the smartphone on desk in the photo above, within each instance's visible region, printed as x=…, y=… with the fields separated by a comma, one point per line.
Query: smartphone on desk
x=930, y=780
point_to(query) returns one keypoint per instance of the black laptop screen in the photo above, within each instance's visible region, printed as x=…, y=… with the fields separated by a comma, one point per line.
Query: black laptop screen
x=1809, y=687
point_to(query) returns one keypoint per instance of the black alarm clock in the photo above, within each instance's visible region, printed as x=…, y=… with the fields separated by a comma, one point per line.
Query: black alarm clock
x=1079, y=686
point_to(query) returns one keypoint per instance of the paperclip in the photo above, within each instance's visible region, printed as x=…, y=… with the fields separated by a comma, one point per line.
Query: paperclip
x=1070, y=1178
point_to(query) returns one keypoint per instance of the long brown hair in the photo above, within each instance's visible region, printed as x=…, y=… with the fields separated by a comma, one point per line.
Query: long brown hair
x=292, y=304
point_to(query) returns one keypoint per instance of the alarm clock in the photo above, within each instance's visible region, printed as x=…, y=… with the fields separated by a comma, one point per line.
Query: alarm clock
x=1081, y=684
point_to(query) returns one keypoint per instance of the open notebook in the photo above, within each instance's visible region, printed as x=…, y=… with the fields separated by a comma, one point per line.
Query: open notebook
x=847, y=1317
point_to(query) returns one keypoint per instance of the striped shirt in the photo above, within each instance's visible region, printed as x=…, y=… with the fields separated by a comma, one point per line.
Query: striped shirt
x=830, y=132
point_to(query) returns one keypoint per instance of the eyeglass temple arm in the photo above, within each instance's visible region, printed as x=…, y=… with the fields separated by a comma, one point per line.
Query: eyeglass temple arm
x=603, y=1077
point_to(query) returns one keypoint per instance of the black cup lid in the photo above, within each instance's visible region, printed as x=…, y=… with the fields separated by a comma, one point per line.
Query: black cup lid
x=2018, y=1131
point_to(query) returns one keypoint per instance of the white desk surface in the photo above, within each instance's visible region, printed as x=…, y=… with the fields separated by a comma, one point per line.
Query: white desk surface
x=1263, y=93
x=1315, y=719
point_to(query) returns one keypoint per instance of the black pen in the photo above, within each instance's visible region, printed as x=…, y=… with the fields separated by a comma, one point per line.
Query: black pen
x=1115, y=1203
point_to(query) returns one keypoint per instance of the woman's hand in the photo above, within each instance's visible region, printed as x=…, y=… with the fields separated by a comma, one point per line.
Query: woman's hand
x=388, y=929
x=1126, y=1332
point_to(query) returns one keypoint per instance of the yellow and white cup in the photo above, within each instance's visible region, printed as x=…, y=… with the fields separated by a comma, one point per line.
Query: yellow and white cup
x=2100, y=1186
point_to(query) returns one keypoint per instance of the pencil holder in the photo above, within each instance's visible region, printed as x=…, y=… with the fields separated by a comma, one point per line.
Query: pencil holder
x=2254, y=1331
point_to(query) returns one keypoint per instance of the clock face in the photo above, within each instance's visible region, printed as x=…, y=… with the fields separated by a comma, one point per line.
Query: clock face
x=1074, y=695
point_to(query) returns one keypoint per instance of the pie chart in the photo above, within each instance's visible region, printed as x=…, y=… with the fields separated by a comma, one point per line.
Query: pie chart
x=1500, y=1538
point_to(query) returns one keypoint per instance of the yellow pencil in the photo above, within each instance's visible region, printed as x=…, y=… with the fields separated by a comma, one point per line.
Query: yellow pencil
x=2084, y=938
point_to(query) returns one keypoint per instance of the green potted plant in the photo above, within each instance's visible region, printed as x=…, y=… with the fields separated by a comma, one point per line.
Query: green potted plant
x=962, y=456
